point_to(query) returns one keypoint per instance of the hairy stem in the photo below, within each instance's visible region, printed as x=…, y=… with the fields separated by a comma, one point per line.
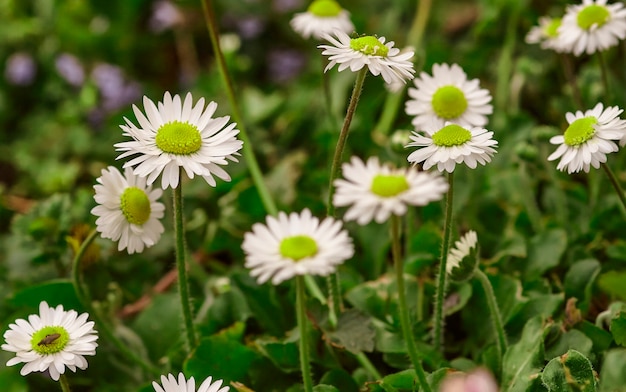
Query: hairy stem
x=305, y=365
x=496, y=317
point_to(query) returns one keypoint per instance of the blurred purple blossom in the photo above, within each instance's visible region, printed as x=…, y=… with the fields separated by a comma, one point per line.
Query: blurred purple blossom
x=71, y=69
x=286, y=6
x=115, y=90
x=165, y=15
x=20, y=69
x=250, y=26
x=285, y=64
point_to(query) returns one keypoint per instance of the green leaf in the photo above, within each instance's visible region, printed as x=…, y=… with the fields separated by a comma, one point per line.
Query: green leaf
x=612, y=282
x=285, y=355
x=618, y=328
x=159, y=337
x=457, y=299
x=572, y=339
x=325, y=388
x=405, y=380
x=601, y=339
x=544, y=252
x=354, y=332
x=340, y=380
x=54, y=292
x=524, y=358
x=612, y=375
x=570, y=372
x=579, y=281
x=12, y=381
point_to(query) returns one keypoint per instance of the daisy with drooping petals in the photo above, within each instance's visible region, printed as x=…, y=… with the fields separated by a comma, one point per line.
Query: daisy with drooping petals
x=51, y=341
x=546, y=34
x=592, y=26
x=170, y=384
x=176, y=135
x=462, y=248
x=447, y=145
x=381, y=58
x=375, y=191
x=128, y=210
x=295, y=244
x=322, y=17
x=448, y=96
x=588, y=138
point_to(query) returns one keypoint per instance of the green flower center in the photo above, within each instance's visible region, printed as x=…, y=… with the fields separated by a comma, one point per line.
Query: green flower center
x=452, y=135
x=324, y=8
x=592, y=15
x=369, y=45
x=388, y=186
x=552, y=28
x=298, y=247
x=580, y=131
x=135, y=205
x=449, y=102
x=49, y=340
x=178, y=138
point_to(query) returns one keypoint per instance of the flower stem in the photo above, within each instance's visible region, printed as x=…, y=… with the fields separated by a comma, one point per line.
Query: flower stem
x=305, y=365
x=568, y=70
x=248, y=152
x=615, y=183
x=441, y=278
x=605, y=77
x=65, y=385
x=402, y=307
x=496, y=317
x=367, y=364
x=505, y=61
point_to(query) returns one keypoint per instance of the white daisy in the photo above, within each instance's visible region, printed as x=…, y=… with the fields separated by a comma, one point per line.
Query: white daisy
x=375, y=191
x=128, y=210
x=592, y=26
x=381, y=58
x=448, y=96
x=170, y=384
x=588, y=138
x=295, y=244
x=51, y=340
x=462, y=248
x=175, y=135
x=322, y=17
x=447, y=145
x=546, y=34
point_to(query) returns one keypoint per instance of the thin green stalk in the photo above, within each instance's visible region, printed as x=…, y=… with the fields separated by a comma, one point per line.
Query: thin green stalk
x=248, y=152
x=528, y=198
x=367, y=365
x=305, y=365
x=496, y=317
x=101, y=325
x=441, y=278
x=605, y=77
x=181, y=266
x=568, y=70
x=615, y=183
x=407, y=331
x=65, y=385
x=505, y=61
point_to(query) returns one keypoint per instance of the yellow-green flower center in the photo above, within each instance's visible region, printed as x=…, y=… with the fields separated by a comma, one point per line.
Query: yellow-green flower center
x=580, y=131
x=135, y=205
x=324, y=8
x=552, y=29
x=369, y=45
x=49, y=340
x=178, y=138
x=389, y=185
x=449, y=102
x=592, y=15
x=298, y=247
x=452, y=135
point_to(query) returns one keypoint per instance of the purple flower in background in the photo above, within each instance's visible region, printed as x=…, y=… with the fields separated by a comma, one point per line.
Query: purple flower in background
x=20, y=69
x=284, y=64
x=165, y=15
x=71, y=69
x=250, y=27
x=115, y=91
x=286, y=6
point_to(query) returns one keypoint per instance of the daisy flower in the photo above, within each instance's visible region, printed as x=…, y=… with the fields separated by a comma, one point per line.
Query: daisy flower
x=51, y=340
x=477, y=380
x=127, y=210
x=175, y=135
x=170, y=384
x=322, y=17
x=375, y=191
x=448, y=96
x=462, y=248
x=447, y=145
x=588, y=138
x=381, y=58
x=295, y=244
x=546, y=34
x=592, y=26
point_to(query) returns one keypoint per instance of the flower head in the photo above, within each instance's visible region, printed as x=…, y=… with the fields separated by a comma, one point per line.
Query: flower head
x=546, y=34
x=170, y=384
x=448, y=96
x=127, y=210
x=176, y=135
x=462, y=259
x=588, y=138
x=381, y=58
x=592, y=26
x=295, y=244
x=375, y=191
x=447, y=145
x=477, y=380
x=322, y=17
x=51, y=340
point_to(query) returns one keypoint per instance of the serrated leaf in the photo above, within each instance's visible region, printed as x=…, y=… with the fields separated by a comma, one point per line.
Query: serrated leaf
x=354, y=332
x=524, y=358
x=571, y=372
x=544, y=252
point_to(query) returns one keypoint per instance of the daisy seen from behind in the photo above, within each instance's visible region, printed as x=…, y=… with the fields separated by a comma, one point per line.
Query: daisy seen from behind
x=295, y=244
x=375, y=191
x=171, y=384
x=589, y=137
x=51, y=341
x=448, y=144
x=464, y=247
x=322, y=17
x=592, y=26
x=128, y=210
x=174, y=134
x=546, y=34
x=449, y=96
x=379, y=56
